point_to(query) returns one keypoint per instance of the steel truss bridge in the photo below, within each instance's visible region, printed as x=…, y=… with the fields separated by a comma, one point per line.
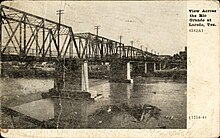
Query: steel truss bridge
x=27, y=37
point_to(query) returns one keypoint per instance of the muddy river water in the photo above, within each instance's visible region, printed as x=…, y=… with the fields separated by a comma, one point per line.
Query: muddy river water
x=23, y=95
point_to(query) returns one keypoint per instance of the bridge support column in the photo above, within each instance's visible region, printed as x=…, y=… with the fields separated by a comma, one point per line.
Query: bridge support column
x=160, y=66
x=155, y=66
x=145, y=68
x=76, y=76
x=131, y=67
x=128, y=71
x=1, y=41
x=85, y=77
x=120, y=72
x=72, y=80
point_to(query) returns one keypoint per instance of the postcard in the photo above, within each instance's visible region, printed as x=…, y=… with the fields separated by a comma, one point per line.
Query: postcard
x=109, y=68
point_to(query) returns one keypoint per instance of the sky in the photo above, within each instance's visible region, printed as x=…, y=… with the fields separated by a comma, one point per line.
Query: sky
x=158, y=26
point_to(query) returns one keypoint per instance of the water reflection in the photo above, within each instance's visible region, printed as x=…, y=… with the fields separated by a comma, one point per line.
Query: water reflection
x=56, y=112
x=40, y=109
x=69, y=113
x=120, y=93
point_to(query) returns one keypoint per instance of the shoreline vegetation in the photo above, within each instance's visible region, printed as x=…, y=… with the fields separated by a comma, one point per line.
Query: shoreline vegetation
x=175, y=74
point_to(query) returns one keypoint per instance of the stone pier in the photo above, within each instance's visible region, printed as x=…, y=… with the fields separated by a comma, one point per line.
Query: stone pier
x=149, y=67
x=160, y=66
x=71, y=79
x=120, y=71
x=85, y=77
x=72, y=75
x=145, y=68
x=155, y=66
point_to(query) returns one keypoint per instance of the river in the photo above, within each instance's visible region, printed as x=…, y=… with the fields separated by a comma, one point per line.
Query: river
x=24, y=95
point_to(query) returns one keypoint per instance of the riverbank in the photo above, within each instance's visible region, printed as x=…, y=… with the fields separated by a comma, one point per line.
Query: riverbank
x=179, y=74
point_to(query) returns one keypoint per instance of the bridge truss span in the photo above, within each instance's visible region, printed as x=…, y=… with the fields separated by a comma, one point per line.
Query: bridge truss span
x=24, y=35
x=27, y=37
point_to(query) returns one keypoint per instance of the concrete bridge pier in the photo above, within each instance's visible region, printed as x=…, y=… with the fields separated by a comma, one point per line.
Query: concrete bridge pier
x=71, y=79
x=160, y=66
x=85, y=77
x=128, y=71
x=120, y=71
x=155, y=66
x=145, y=68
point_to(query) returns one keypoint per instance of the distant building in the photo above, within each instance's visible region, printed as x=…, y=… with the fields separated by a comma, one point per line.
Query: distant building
x=183, y=54
x=178, y=60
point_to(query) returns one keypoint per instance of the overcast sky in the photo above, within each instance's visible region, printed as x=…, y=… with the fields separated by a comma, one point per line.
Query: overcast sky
x=160, y=26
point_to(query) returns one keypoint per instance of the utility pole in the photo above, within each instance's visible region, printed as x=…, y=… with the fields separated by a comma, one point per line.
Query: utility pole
x=132, y=42
x=97, y=27
x=120, y=37
x=0, y=41
x=60, y=82
x=59, y=13
x=142, y=51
